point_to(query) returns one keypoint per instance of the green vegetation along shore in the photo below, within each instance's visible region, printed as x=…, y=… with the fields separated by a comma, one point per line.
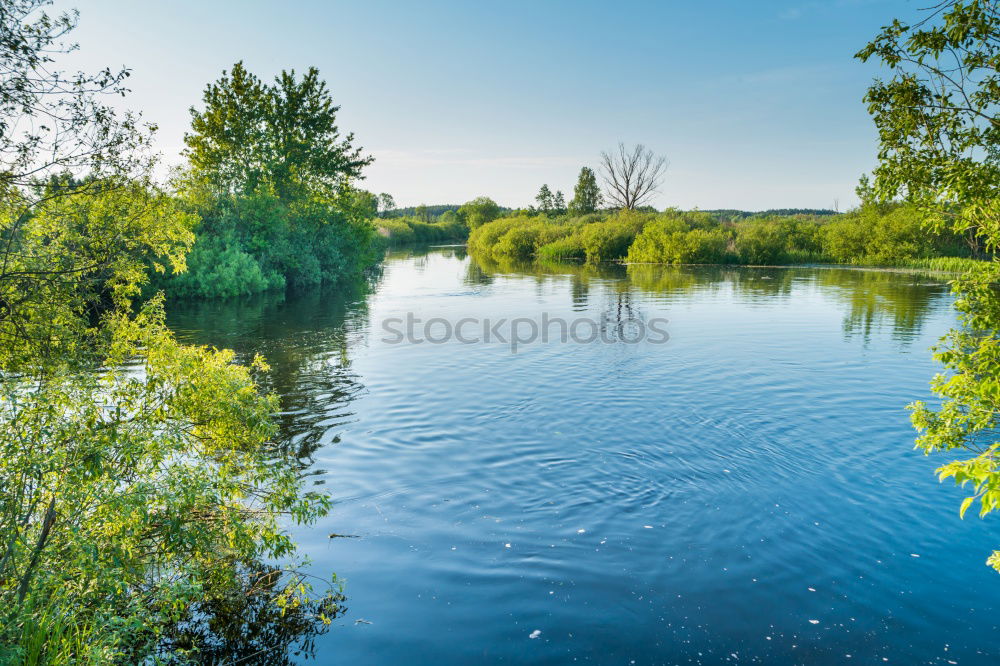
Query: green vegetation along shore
x=872, y=235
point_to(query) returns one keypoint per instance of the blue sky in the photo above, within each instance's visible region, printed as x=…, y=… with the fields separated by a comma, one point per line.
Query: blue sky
x=757, y=104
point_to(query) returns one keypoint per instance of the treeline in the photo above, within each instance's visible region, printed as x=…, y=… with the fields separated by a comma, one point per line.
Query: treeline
x=873, y=234
x=402, y=230
x=733, y=214
x=451, y=224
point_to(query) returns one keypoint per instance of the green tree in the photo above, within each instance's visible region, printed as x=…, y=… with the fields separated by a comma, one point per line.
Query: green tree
x=282, y=137
x=559, y=203
x=545, y=199
x=479, y=211
x=139, y=475
x=587, y=197
x=385, y=204
x=939, y=139
x=271, y=177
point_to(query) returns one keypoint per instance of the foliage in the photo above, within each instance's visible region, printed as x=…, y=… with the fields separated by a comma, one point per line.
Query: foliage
x=402, y=230
x=610, y=239
x=674, y=239
x=594, y=238
x=280, y=138
x=967, y=419
x=135, y=487
x=81, y=131
x=587, y=197
x=138, y=474
x=386, y=204
x=270, y=177
x=568, y=247
x=482, y=238
x=257, y=242
x=479, y=211
x=761, y=242
x=880, y=234
x=733, y=215
x=523, y=242
x=546, y=201
x=75, y=258
x=870, y=236
x=936, y=117
x=939, y=138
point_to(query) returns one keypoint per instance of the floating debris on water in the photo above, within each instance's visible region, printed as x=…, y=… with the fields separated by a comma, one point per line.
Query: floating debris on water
x=535, y=634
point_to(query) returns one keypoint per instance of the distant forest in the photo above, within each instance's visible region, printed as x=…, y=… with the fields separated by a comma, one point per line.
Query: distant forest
x=428, y=212
x=726, y=213
x=433, y=212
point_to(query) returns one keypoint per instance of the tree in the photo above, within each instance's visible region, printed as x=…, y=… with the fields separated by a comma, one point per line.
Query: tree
x=559, y=203
x=272, y=179
x=587, y=196
x=385, y=204
x=546, y=202
x=282, y=137
x=939, y=146
x=136, y=472
x=631, y=177
x=479, y=211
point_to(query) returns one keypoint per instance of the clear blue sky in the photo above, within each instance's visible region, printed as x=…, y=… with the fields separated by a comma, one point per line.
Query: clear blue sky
x=757, y=104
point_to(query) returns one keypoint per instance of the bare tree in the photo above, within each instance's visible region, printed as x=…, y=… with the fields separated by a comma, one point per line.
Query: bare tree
x=632, y=176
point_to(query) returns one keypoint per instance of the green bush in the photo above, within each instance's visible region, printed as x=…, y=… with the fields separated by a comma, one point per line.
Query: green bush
x=669, y=239
x=523, y=242
x=404, y=230
x=396, y=230
x=246, y=245
x=761, y=242
x=610, y=240
x=879, y=235
x=219, y=268
x=569, y=247
x=484, y=237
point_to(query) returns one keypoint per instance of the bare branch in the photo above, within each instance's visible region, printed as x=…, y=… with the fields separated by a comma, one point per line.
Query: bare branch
x=631, y=177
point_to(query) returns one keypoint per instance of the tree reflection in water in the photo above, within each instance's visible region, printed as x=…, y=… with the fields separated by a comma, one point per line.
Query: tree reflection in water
x=250, y=623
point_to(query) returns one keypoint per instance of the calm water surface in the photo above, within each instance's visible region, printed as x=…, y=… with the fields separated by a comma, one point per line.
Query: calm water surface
x=746, y=492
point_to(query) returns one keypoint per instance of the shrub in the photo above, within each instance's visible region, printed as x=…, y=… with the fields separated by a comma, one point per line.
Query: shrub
x=878, y=235
x=485, y=236
x=569, y=247
x=761, y=242
x=670, y=240
x=523, y=242
x=610, y=240
x=397, y=230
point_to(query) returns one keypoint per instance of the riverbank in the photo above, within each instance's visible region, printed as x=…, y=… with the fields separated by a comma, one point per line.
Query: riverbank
x=891, y=235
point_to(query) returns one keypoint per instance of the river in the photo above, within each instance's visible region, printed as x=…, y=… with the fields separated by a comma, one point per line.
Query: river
x=741, y=487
